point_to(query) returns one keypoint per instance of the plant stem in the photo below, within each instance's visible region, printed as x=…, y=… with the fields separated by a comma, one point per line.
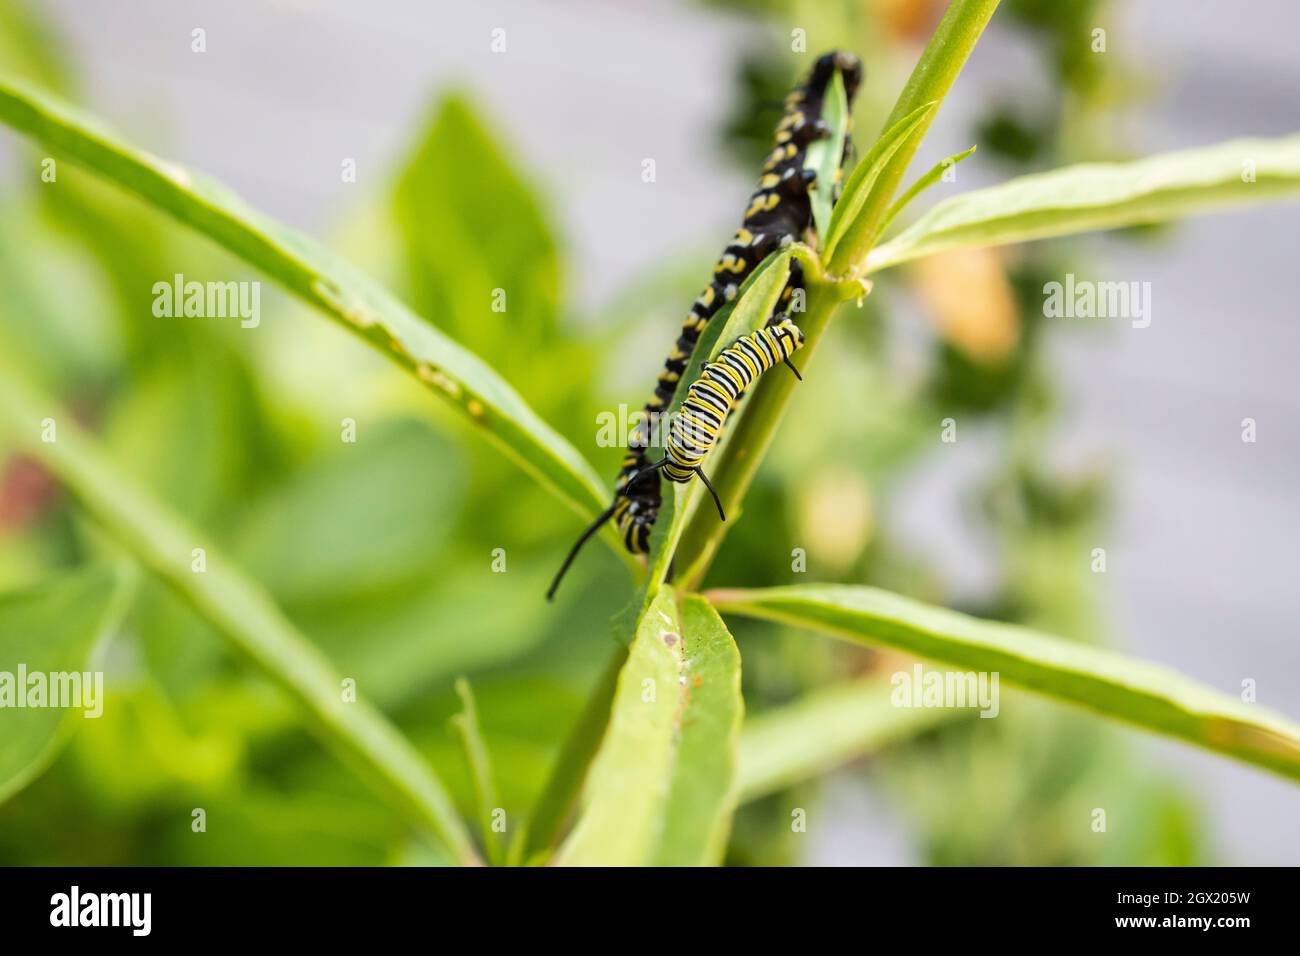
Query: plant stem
x=560, y=794
x=943, y=58
x=736, y=464
x=469, y=732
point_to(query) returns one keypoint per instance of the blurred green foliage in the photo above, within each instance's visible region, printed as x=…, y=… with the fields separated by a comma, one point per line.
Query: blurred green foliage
x=385, y=559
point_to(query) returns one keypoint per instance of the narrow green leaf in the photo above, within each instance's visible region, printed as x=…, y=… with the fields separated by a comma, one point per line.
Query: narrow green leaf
x=1095, y=196
x=379, y=536
x=622, y=803
x=308, y=270
x=921, y=185
x=824, y=729
x=825, y=155
x=852, y=222
x=53, y=628
x=1122, y=688
x=239, y=608
x=470, y=734
x=660, y=789
x=701, y=797
x=471, y=224
x=947, y=51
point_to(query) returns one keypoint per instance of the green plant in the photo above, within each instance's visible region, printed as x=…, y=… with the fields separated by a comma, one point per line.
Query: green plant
x=659, y=757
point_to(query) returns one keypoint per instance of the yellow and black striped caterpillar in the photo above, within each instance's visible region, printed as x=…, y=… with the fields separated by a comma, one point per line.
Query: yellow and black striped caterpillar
x=711, y=397
x=699, y=421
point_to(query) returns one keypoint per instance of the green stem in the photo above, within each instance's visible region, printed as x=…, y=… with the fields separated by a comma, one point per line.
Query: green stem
x=560, y=795
x=736, y=464
x=942, y=60
x=468, y=731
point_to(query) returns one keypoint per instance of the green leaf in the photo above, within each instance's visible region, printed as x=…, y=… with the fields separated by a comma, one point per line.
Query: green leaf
x=1146, y=695
x=52, y=629
x=921, y=185
x=31, y=48
x=622, y=803
x=854, y=221
x=471, y=225
x=406, y=645
x=1094, y=196
x=362, y=519
x=239, y=608
x=457, y=375
x=467, y=730
x=825, y=155
x=824, y=729
x=190, y=428
x=701, y=797
x=42, y=272
x=661, y=788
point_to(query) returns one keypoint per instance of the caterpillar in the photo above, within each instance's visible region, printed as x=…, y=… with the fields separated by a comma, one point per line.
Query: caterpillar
x=779, y=213
x=711, y=397
x=698, y=423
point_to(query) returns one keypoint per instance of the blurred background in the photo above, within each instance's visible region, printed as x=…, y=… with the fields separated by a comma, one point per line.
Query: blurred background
x=522, y=169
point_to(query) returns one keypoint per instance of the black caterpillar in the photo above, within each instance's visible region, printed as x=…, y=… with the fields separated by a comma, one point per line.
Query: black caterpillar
x=779, y=213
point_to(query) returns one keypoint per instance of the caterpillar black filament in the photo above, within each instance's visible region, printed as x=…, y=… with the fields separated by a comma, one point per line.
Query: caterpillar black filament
x=698, y=423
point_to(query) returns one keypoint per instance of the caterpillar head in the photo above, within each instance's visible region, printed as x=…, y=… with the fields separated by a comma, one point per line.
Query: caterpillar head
x=850, y=68
x=790, y=334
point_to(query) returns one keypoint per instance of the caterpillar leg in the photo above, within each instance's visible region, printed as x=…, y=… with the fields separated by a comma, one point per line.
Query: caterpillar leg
x=699, y=471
